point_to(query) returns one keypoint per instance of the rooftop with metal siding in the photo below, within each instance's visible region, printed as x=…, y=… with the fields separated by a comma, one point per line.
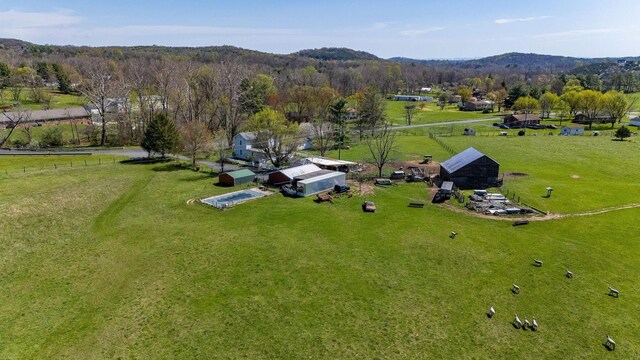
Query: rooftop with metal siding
x=461, y=160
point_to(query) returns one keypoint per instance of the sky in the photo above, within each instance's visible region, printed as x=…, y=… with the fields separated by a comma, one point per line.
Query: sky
x=420, y=29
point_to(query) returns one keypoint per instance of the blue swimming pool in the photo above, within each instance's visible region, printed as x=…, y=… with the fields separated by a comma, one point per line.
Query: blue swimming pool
x=237, y=197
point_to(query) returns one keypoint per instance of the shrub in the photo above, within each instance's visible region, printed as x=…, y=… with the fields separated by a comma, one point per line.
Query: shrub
x=19, y=143
x=521, y=132
x=51, y=137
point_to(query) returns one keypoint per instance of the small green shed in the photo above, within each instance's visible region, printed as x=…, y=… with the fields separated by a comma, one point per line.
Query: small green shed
x=237, y=177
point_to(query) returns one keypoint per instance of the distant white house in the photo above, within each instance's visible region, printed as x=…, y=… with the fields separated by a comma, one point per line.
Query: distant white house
x=243, y=148
x=635, y=121
x=572, y=130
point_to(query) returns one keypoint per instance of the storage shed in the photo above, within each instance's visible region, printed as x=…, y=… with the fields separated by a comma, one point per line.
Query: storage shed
x=446, y=188
x=471, y=169
x=286, y=176
x=318, y=182
x=237, y=177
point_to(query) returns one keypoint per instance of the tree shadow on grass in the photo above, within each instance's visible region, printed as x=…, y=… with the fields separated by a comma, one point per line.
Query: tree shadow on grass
x=198, y=177
x=169, y=167
x=145, y=161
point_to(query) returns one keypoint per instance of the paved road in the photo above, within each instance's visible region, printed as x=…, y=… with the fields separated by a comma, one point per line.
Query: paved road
x=402, y=127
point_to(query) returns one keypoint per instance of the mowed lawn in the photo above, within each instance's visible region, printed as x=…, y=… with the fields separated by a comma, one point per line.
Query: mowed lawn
x=429, y=112
x=587, y=173
x=114, y=261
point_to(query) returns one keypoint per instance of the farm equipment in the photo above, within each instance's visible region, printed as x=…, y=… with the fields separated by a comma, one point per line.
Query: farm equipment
x=415, y=174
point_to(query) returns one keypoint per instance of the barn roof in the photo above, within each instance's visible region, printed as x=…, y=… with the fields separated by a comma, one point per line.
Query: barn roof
x=461, y=160
x=240, y=173
x=300, y=170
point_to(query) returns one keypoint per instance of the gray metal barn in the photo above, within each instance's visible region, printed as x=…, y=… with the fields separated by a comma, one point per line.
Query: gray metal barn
x=471, y=169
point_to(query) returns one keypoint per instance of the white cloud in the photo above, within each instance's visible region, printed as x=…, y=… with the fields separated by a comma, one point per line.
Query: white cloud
x=416, y=32
x=383, y=25
x=13, y=19
x=576, y=33
x=512, y=20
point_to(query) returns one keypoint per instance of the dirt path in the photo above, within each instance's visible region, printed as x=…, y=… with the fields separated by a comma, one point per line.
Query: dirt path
x=539, y=218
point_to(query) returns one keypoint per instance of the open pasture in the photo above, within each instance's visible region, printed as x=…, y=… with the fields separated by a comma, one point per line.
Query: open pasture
x=117, y=262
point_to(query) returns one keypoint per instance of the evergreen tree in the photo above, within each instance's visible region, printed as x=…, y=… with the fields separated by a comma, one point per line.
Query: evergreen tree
x=64, y=84
x=622, y=133
x=161, y=135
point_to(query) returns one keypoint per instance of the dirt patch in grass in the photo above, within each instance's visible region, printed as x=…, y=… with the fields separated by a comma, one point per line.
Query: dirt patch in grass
x=432, y=167
x=514, y=175
x=366, y=188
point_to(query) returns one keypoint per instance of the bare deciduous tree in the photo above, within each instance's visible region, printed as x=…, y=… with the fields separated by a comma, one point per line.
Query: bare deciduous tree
x=381, y=145
x=409, y=109
x=229, y=78
x=101, y=85
x=196, y=139
x=21, y=116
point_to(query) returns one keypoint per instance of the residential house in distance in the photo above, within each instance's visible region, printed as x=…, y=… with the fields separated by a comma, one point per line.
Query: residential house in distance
x=471, y=169
x=514, y=121
x=478, y=105
x=243, y=147
x=572, y=130
x=600, y=118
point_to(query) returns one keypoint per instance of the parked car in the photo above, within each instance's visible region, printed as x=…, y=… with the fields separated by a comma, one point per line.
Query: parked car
x=503, y=126
x=383, y=182
x=397, y=175
x=552, y=126
x=340, y=188
x=536, y=126
x=368, y=206
x=289, y=190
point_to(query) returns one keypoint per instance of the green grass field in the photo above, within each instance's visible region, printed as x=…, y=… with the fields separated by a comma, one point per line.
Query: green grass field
x=114, y=261
x=58, y=100
x=430, y=114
